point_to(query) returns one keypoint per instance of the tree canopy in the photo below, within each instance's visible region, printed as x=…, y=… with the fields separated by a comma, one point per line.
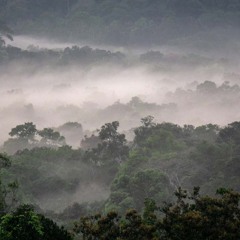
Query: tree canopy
x=122, y=22
x=191, y=217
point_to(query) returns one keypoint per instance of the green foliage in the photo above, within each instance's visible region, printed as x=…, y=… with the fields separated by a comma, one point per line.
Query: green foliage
x=157, y=136
x=113, y=142
x=148, y=184
x=191, y=217
x=185, y=157
x=162, y=157
x=4, y=161
x=24, y=137
x=91, y=142
x=112, y=146
x=52, y=231
x=4, y=191
x=48, y=173
x=120, y=22
x=231, y=133
x=24, y=224
x=27, y=131
x=202, y=217
x=136, y=188
x=51, y=137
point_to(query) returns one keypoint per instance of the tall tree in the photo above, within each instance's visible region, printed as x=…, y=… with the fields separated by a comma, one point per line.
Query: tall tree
x=113, y=143
x=4, y=162
x=25, y=223
x=26, y=131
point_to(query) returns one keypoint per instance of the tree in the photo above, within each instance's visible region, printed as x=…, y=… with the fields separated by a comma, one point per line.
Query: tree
x=90, y=142
x=197, y=217
x=25, y=131
x=51, y=231
x=149, y=184
x=4, y=163
x=26, y=224
x=191, y=217
x=207, y=87
x=231, y=133
x=24, y=137
x=22, y=224
x=98, y=226
x=51, y=137
x=114, y=144
x=142, y=132
x=148, y=121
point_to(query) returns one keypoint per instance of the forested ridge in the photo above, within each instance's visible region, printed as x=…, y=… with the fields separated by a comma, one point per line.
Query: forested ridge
x=142, y=174
x=121, y=22
x=119, y=120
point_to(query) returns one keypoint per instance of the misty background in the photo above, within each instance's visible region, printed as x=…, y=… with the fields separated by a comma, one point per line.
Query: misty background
x=92, y=86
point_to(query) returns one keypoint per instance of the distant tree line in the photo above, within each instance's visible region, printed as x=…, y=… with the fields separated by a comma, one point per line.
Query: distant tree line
x=120, y=22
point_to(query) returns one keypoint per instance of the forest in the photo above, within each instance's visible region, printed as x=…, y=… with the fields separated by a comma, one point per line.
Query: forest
x=141, y=175
x=125, y=22
x=119, y=120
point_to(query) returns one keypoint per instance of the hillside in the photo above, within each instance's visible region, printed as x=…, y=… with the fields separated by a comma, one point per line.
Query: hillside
x=125, y=22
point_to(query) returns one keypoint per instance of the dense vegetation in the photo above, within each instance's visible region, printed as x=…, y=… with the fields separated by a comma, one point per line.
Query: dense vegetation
x=120, y=22
x=25, y=223
x=118, y=181
x=191, y=217
x=160, y=159
x=87, y=57
x=84, y=56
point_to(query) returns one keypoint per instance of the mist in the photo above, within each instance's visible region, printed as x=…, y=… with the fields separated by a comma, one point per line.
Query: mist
x=56, y=83
x=51, y=95
x=111, y=106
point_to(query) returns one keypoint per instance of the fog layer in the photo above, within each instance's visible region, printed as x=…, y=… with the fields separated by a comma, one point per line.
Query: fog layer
x=90, y=92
